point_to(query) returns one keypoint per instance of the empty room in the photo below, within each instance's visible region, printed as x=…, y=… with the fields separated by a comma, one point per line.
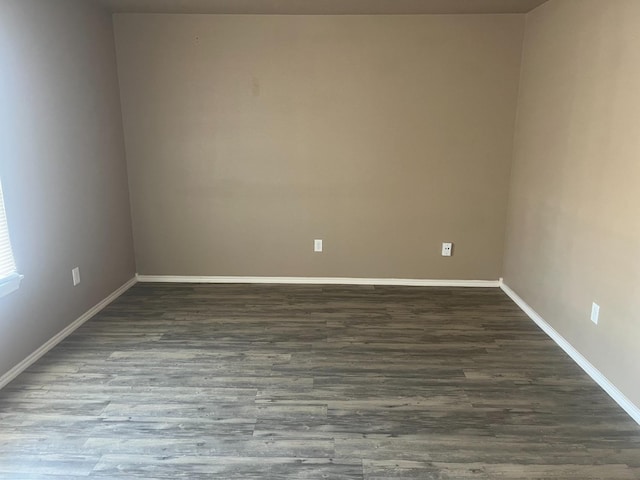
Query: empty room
x=320, y=239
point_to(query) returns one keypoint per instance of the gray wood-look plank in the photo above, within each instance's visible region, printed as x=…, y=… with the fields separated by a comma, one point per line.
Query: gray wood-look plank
x=311, y=382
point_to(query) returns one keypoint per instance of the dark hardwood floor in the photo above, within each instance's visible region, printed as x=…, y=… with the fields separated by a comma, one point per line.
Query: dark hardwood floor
x=311, y=382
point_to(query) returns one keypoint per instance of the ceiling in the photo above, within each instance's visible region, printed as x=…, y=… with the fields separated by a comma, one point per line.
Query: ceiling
x=322, y=7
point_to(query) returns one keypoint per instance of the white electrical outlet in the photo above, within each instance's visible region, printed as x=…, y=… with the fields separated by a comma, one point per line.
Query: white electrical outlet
x=447, y=249
x=317, y=245
x=595, y=312
x=75, y=275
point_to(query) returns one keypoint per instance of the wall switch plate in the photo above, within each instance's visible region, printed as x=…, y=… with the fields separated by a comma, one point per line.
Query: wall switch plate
x=447, y=249
x=595, y=312
x=75, y=274
x=317, y=245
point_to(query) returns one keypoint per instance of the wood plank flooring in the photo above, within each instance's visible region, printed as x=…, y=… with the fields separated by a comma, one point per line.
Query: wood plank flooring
x=311, y=382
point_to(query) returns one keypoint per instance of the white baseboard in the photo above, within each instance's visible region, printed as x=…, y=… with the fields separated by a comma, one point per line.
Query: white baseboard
x=577, y=357
x=56, y=339
x=320, y=281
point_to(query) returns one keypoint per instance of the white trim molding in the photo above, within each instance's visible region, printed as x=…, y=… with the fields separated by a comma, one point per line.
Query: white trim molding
x=10, y=284
x=407, y=282
x=597, y=376
x=64, y=333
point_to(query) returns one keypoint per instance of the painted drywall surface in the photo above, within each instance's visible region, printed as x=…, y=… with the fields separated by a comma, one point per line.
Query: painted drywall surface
x=249, y=136
x=573, y=234
x=325, y=7
x=62, y=165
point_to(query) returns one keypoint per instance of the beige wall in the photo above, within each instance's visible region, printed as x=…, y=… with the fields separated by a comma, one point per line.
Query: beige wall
x=249, y=136
x=573, y=233
x=62, y=167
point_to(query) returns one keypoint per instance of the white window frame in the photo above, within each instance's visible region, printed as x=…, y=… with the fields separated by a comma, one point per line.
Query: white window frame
x=11, y=282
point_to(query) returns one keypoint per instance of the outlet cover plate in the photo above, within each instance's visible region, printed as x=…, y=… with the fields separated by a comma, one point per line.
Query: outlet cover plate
x=595, y=312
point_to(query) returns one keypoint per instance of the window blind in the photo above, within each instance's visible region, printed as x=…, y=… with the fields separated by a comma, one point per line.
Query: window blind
x=7, y=263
